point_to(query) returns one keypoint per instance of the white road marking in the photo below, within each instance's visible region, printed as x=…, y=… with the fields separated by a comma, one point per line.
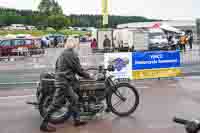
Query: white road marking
x=16, y=83
x=192, y=77
x=15, y=97
x=141, y=87
x=159, y=126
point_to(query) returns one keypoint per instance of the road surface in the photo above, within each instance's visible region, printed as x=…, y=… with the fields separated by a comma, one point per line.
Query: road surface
x=160, y=101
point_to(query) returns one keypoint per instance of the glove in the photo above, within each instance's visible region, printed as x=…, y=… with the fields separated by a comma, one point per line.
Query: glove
x=91, y=76
x=86, y=75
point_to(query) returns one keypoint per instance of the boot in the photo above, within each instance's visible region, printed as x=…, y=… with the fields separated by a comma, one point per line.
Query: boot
x=47, y=128
x=77, y=121
x=107, y=110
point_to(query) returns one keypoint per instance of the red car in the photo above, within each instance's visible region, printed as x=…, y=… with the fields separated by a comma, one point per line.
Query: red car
x=10, y=46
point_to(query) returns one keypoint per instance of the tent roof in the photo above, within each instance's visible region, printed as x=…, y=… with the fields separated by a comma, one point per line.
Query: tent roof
x=169, y=28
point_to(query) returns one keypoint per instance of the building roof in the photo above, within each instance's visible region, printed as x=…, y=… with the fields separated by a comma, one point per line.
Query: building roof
x=174, y=23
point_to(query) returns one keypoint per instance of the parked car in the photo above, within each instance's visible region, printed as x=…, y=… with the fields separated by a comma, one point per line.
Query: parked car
x=11, y=46
x=85, y=39
x=17, y=27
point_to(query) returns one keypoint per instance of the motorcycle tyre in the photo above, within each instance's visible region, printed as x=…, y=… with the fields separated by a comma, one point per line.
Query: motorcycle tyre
x=129, y=112
x=59, y=120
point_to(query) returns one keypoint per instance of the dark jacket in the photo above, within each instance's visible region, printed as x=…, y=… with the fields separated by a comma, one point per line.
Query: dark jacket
x=107, y=43
x=191, y=38
x=68, y=65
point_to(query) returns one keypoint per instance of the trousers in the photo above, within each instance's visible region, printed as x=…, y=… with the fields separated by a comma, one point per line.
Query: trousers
x=182, y=46
x=190, y=43
x=64, y=90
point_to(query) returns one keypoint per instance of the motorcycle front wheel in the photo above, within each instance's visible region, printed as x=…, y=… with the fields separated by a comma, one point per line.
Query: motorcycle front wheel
x=123, y=100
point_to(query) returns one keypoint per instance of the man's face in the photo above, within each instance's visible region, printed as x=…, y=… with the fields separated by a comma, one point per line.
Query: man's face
x=106, y=36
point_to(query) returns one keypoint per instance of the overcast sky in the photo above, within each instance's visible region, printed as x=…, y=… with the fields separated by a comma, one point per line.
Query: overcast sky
x=160, y=9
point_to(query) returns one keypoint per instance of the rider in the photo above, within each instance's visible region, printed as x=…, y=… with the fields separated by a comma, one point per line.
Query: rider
x=67, y=66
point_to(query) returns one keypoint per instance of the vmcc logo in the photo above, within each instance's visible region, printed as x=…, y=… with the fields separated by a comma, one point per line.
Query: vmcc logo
x=159, y=56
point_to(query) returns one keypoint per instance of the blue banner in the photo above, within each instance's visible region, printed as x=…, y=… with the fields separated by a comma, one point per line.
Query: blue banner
x=155, y=60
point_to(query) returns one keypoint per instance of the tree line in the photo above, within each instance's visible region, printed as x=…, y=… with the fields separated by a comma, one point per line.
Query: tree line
x=51, y=15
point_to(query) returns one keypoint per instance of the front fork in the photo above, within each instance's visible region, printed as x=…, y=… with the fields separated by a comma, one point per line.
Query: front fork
x=110, y=88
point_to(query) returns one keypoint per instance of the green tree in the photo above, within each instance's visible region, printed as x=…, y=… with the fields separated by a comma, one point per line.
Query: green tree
x=40, y=21
x=56, y=8
x=58, y=21
x=49, y=7
x=45, y=7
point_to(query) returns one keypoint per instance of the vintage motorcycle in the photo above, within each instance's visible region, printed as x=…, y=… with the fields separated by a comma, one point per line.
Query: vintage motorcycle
x=104, y=94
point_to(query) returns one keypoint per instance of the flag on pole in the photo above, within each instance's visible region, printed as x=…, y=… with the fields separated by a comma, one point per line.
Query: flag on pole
x=105, y=7
x=105, y=19
x=105, y=11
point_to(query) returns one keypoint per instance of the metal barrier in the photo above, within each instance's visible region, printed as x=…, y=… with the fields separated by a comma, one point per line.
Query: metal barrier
x=46, y=62
x=95, y=59
x=28, y=52
x=190, y=57
x=19, y=54
x=103, y=50
x=92, y=60
x=50, y=56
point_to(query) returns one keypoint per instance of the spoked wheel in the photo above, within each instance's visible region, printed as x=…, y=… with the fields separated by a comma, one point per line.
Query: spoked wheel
x=124, y=100
x=56, y=118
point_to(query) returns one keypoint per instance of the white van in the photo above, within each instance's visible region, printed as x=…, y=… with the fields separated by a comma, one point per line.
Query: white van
x=123, y=39
x=130, y=39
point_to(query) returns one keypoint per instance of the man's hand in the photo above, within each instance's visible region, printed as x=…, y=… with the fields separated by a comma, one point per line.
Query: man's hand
x=91, y=76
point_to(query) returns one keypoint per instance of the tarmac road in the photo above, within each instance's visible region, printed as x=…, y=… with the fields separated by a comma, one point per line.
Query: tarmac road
x=160, y=101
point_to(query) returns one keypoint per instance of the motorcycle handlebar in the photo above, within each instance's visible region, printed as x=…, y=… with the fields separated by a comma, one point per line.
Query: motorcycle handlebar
x=180, y=121
x=110, y=68
x=92, y=68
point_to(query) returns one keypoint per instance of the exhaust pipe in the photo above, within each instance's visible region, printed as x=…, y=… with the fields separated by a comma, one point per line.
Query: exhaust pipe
x=32, y=103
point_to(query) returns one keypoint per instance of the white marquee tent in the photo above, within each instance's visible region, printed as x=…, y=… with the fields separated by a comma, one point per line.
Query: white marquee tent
x=170, y=28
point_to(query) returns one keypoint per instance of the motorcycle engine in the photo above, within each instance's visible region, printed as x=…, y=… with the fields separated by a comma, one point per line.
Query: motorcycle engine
x=92, y=93
x=96, y=107
x=93, y=89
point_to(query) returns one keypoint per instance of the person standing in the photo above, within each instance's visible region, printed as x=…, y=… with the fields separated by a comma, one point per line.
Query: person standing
x=55, y=42
x=106, y=43
x=190, y=40
x=67, y=66
x=93, y=44
x=44, y=42
x=183, y=42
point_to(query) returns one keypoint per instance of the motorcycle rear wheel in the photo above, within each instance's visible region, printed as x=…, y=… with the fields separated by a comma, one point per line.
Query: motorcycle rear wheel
x=133, y=107
x=58, y=117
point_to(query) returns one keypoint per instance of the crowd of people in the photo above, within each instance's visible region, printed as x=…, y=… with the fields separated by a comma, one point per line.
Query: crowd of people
x=176, y=41
x=181, y=41
x=59, y=41
x=106, y=43
x=50, y=42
